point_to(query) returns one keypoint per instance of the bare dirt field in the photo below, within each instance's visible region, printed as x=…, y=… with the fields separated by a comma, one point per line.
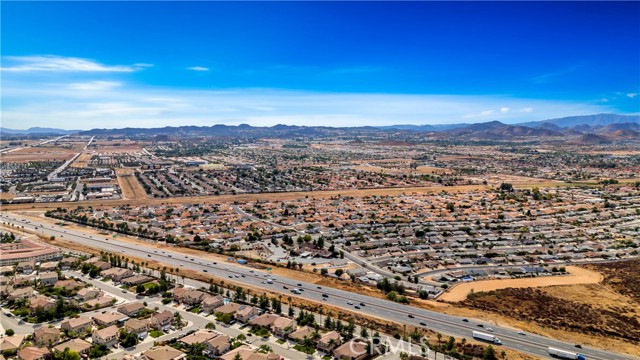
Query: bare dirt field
x=82, y=161
x=605, y=314
x=38, y=154
x=577, y=275
x=131, y=188
x=6, y=195
x=516, y=180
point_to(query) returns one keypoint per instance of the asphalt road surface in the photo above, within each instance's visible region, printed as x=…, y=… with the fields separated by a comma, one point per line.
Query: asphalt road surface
x=404, y=314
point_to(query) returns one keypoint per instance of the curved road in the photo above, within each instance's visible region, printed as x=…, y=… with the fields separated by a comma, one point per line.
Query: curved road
x=404, y=314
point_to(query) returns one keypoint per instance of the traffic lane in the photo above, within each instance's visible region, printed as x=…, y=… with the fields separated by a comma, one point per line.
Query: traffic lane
x=231, y=269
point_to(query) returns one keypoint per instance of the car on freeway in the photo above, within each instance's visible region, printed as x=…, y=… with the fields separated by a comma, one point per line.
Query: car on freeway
x=578, y=346
x=148, y=255
x=411, y=316
x=361, y=304
x=480, y=325
x=489, y=329
x=349, y=302
x=284, y=287
x=465, y=320
x=319, y=287
x=230, y=276
x=204, y=270
x=521, y=332
x=299, y=284
x=325, y=295
x=357, y=307
x=423, y=324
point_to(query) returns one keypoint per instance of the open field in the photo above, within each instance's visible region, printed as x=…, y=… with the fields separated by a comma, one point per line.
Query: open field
x=6, y=195
x=131, y=188
x=82, y=161
x=604, y=314
x=39, y=154
x=578, y=275
x=622, y=277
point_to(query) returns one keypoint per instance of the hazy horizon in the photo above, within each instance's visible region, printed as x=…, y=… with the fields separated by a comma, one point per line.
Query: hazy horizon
x=84, y=65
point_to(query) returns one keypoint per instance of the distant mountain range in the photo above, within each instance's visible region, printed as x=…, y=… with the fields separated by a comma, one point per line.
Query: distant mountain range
x=587, y=129
x=37, y=131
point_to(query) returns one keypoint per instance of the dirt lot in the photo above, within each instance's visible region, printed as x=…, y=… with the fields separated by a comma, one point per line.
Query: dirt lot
x=39, y=154
x=131, y=188
x=577, y=275
x=82, y=161
x=604, y=314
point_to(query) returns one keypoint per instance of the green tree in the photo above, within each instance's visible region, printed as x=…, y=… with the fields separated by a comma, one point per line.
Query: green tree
x=489, y=353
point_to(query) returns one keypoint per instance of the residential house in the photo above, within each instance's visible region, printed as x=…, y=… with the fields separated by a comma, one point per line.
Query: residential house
x=46, y=336
x=99, y=303
x=161, y=321
x=10, y=343
x=109, y=318
x=26, y=267
x=34, y=353
x=210, y=303
x=42, y=302
x=246, y=312
x=48, y=266
x=301, y=333
x=107, y=336
x=229, y=308
x=136, y=280
x=78, y=345
x=131, y=309
x=329, y=341
x=193, y=297
x=19, y=294
x=198, y=337
x=283, y=326
x=77, y=325
x=246, y=353
x=138, y=327
x=68, y=285
x=117, y=274
x=352, y=350
x=163, y=353
x=86, y=294
x=218, y=345
x=48, y=278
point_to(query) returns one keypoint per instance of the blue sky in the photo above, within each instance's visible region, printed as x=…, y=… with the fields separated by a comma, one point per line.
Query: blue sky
x=115, y=64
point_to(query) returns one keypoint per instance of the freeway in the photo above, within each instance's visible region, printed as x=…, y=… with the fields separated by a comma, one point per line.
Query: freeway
x=384, y=309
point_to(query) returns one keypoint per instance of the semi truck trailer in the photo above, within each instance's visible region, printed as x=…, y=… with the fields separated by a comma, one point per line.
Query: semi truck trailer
x=486, y=337
x=563, y=354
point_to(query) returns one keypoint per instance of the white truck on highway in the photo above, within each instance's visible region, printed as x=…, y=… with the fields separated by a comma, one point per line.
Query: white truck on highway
x=563, y=354
x=486, y=337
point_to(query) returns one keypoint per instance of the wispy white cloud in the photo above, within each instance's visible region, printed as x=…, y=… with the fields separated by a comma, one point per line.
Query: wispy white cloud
x=548, y=77
x=95, y=85
x=52, y=63
x=632, y=95
x=504, y=110
x=113, y=104
x=198, y=68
